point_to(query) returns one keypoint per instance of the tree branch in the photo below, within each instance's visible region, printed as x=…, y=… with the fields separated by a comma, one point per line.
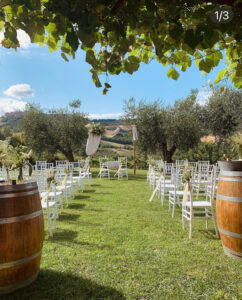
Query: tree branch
x=116, y=6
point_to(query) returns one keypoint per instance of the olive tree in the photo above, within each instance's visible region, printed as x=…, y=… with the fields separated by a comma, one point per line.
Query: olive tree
x=224, y=112
x=55, y=130
x=164, y=129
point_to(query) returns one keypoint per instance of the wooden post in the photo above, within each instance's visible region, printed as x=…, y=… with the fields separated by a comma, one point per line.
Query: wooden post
x=134, y=157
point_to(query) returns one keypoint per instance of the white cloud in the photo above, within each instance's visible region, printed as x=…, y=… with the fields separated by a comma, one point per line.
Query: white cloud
x=23, y=38
x=19, y=91
x=105, y=116
x=11, y=105
x=203, y=97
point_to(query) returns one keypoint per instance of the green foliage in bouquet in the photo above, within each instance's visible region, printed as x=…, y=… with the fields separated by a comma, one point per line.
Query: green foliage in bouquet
x=123, y=160
x=14, y=158
x=50, y=178
x=104, y=159
x=7, y=157
x=187, y=175
x=21, y=161
x=96, y=129
x=67, y=171
x=151, y=161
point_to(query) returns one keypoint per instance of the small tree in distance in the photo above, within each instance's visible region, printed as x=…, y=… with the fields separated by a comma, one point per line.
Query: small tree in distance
x=55, y=130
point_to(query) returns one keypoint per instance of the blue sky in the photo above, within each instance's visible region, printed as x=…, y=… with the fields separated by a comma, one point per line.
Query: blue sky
x=33, y=74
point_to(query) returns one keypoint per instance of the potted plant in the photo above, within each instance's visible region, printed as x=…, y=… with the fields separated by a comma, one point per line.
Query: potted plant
x=21, y=222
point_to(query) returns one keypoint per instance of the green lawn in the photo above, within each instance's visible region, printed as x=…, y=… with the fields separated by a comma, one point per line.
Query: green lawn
x=111, y=243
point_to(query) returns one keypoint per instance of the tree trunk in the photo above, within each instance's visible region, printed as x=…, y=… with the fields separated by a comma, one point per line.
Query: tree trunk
x=68, y=153
x=167, y=154
x=69, y=156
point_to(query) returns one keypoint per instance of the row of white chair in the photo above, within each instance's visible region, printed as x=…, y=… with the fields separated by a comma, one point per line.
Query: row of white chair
x=203, y=185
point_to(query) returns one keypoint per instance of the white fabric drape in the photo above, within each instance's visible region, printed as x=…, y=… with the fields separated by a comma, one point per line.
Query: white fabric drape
x=125, y=127
x=93, y=142
x=111, y=133
x=134, y=133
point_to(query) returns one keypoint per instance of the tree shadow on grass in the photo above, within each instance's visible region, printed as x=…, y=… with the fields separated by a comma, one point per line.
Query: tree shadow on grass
x=68, y=237
x=55, y=285
x=209, y=234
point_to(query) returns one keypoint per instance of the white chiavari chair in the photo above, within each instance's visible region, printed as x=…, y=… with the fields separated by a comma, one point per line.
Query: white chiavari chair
x=50, y=210
x=192, y=210
x=176, y=194
x=104, y=170
x=123, y=168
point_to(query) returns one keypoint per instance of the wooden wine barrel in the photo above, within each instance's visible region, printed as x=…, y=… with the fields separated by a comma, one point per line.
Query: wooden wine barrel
x=21, y=235
x=229, y=212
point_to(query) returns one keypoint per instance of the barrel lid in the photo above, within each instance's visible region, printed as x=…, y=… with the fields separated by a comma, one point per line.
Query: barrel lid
x=6, y=188
x=234, y=165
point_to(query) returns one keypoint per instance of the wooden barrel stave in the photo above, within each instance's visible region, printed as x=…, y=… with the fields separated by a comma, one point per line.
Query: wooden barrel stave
x=231, y=245
x=20, y=272
x=229, y=212
x=15, y=248
x=21, y=236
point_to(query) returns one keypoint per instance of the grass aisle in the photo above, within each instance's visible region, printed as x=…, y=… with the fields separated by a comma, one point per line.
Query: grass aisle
x=111, y=243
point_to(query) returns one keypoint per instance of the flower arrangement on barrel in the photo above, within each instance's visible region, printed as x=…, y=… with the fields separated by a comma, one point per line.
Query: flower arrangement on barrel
x=22, y=216
x=14, y=158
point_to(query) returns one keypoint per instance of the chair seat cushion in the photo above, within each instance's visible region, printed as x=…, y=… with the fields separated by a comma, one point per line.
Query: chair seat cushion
x=180, y=193
x=63, y=187
x=51, y=194
x=69, y=181
x=51, y=204
x=168, y=186
x=199, y=204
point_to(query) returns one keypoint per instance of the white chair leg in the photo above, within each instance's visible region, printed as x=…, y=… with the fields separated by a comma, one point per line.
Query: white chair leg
x=214, y=223
x=190, y=229
x=183, y=222
x=61, y=202
x=49, y=224
x=207, y=216
x=56, y=209
x=173, y=208
x=54, y=220
x=66, y=196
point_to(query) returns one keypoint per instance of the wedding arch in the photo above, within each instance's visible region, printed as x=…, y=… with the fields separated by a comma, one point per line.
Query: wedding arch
x=96, y=131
